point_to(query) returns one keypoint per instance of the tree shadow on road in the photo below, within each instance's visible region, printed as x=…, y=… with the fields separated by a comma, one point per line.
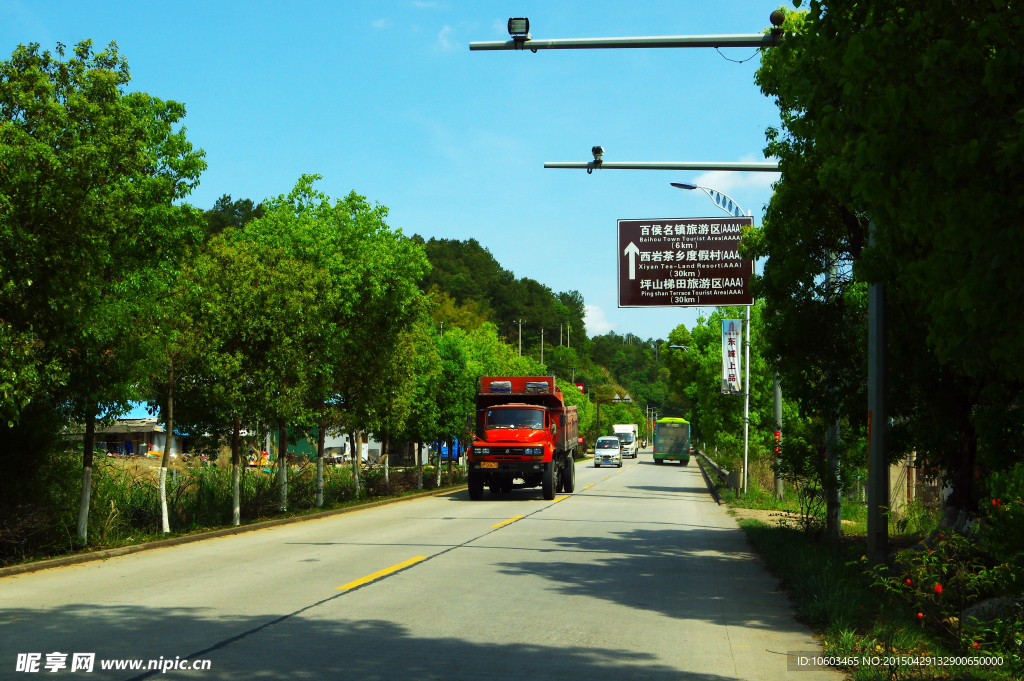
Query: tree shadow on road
x=311, y=645
x=699, y=574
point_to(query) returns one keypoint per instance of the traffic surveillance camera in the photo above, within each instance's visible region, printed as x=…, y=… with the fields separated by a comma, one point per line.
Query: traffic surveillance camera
x=598, y=152
x=518, y=28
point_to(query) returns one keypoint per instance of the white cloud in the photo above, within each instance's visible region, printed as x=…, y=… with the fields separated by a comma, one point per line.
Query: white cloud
x=382, y=23
x=729, y=181
x=596, y=321
x=442, y=39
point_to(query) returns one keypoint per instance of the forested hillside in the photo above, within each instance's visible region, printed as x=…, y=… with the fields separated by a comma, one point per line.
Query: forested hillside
x=469, y=286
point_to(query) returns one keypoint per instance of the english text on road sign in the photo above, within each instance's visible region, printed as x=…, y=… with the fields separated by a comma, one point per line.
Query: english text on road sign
x=683, y=262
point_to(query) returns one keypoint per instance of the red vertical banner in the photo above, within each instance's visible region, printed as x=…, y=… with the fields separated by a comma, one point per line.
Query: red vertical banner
x=732, y=357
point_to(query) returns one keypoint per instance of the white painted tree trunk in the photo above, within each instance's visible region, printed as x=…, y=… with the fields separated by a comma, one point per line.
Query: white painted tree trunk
x=419, y=465
x=236, y=461
x=236, y=494
x=437, y=480
x=357, y=455
x=162, y=481
x=321, y=434
x=282, y=465
x=88, y=445
x=83, y=505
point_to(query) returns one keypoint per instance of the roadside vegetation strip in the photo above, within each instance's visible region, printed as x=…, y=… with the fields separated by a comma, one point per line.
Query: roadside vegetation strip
x=506, y=522
x=381, y=573
x=828, y=581
x=104, y=554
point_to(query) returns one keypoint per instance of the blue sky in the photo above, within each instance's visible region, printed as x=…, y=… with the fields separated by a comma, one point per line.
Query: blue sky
x=385, y=98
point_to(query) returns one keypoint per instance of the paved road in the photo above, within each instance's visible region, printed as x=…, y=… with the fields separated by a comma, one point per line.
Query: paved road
x=638, y=575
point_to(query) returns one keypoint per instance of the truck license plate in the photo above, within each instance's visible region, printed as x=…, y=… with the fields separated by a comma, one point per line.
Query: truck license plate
x=670, y=457
x=489, y=464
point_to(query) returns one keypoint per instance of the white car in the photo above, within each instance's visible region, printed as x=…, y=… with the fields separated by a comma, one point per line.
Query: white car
x=608, y=452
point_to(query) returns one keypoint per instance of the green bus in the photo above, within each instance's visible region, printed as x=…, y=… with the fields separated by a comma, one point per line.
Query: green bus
x=671, y=441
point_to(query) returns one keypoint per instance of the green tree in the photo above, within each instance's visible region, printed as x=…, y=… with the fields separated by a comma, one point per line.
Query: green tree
x=903, y=114
x=91, y=180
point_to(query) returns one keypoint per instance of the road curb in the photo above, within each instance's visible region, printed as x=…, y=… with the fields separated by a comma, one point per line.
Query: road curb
x=709, y=483
x=213, y=534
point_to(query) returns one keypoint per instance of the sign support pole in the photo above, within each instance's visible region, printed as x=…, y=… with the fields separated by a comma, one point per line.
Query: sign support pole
x=746, y=400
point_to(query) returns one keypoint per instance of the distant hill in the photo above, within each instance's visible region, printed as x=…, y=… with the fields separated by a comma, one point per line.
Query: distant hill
x=469, y=286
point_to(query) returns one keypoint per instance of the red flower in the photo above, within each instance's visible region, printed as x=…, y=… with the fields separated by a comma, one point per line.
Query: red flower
x=920, y=615
x=908, y=581
x=942, y=536
x=938, y=588
x=976, y=645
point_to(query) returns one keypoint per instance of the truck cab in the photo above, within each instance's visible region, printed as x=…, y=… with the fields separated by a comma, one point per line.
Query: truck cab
x=629, y=438
x=524, y=432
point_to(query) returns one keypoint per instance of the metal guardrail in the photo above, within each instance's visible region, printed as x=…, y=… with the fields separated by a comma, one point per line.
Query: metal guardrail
x=722, y=474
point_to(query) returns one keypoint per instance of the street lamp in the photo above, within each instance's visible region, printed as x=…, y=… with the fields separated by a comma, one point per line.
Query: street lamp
x=684, y=348
x=723, y=201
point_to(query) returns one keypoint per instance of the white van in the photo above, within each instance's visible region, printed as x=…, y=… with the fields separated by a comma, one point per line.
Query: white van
x=629, y=435
x=607, y=452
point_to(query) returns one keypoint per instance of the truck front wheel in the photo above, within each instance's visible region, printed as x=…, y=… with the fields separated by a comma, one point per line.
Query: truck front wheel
x=550, y=482
x=476, y=486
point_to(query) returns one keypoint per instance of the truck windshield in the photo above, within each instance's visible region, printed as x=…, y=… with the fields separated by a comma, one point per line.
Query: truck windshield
x=515, y=418
x=625, y=438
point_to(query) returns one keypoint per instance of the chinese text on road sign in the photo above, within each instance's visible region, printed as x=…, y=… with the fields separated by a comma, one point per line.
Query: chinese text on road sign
x=683, y=262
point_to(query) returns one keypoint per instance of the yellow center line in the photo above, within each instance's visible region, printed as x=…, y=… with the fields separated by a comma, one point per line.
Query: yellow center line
x=506, y=522
x=606, y=477
x=380, y=573
x=560, y=498
x=588, y=486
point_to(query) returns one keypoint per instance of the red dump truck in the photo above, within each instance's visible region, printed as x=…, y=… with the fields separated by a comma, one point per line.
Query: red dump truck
x=524, y=432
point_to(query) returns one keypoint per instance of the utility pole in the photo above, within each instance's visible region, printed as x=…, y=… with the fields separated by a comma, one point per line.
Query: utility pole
x=568, y=336
x=780, y=494
x=520, y=323
x=442, y=329
x=833, y=502
x=878, y=423
x=542, y=345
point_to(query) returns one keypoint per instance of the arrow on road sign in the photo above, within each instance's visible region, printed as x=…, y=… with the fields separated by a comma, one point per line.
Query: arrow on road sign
x=632, y=251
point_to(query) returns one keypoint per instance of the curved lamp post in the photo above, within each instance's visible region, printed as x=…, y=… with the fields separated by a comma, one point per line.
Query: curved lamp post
x=723, y=201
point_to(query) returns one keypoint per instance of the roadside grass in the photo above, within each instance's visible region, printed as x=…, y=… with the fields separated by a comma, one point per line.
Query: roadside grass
x=124, y=508
x=833, y=593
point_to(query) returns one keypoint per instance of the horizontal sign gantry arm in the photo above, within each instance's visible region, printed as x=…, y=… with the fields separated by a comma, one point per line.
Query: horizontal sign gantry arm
x=738, y=40
x=740, y=166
